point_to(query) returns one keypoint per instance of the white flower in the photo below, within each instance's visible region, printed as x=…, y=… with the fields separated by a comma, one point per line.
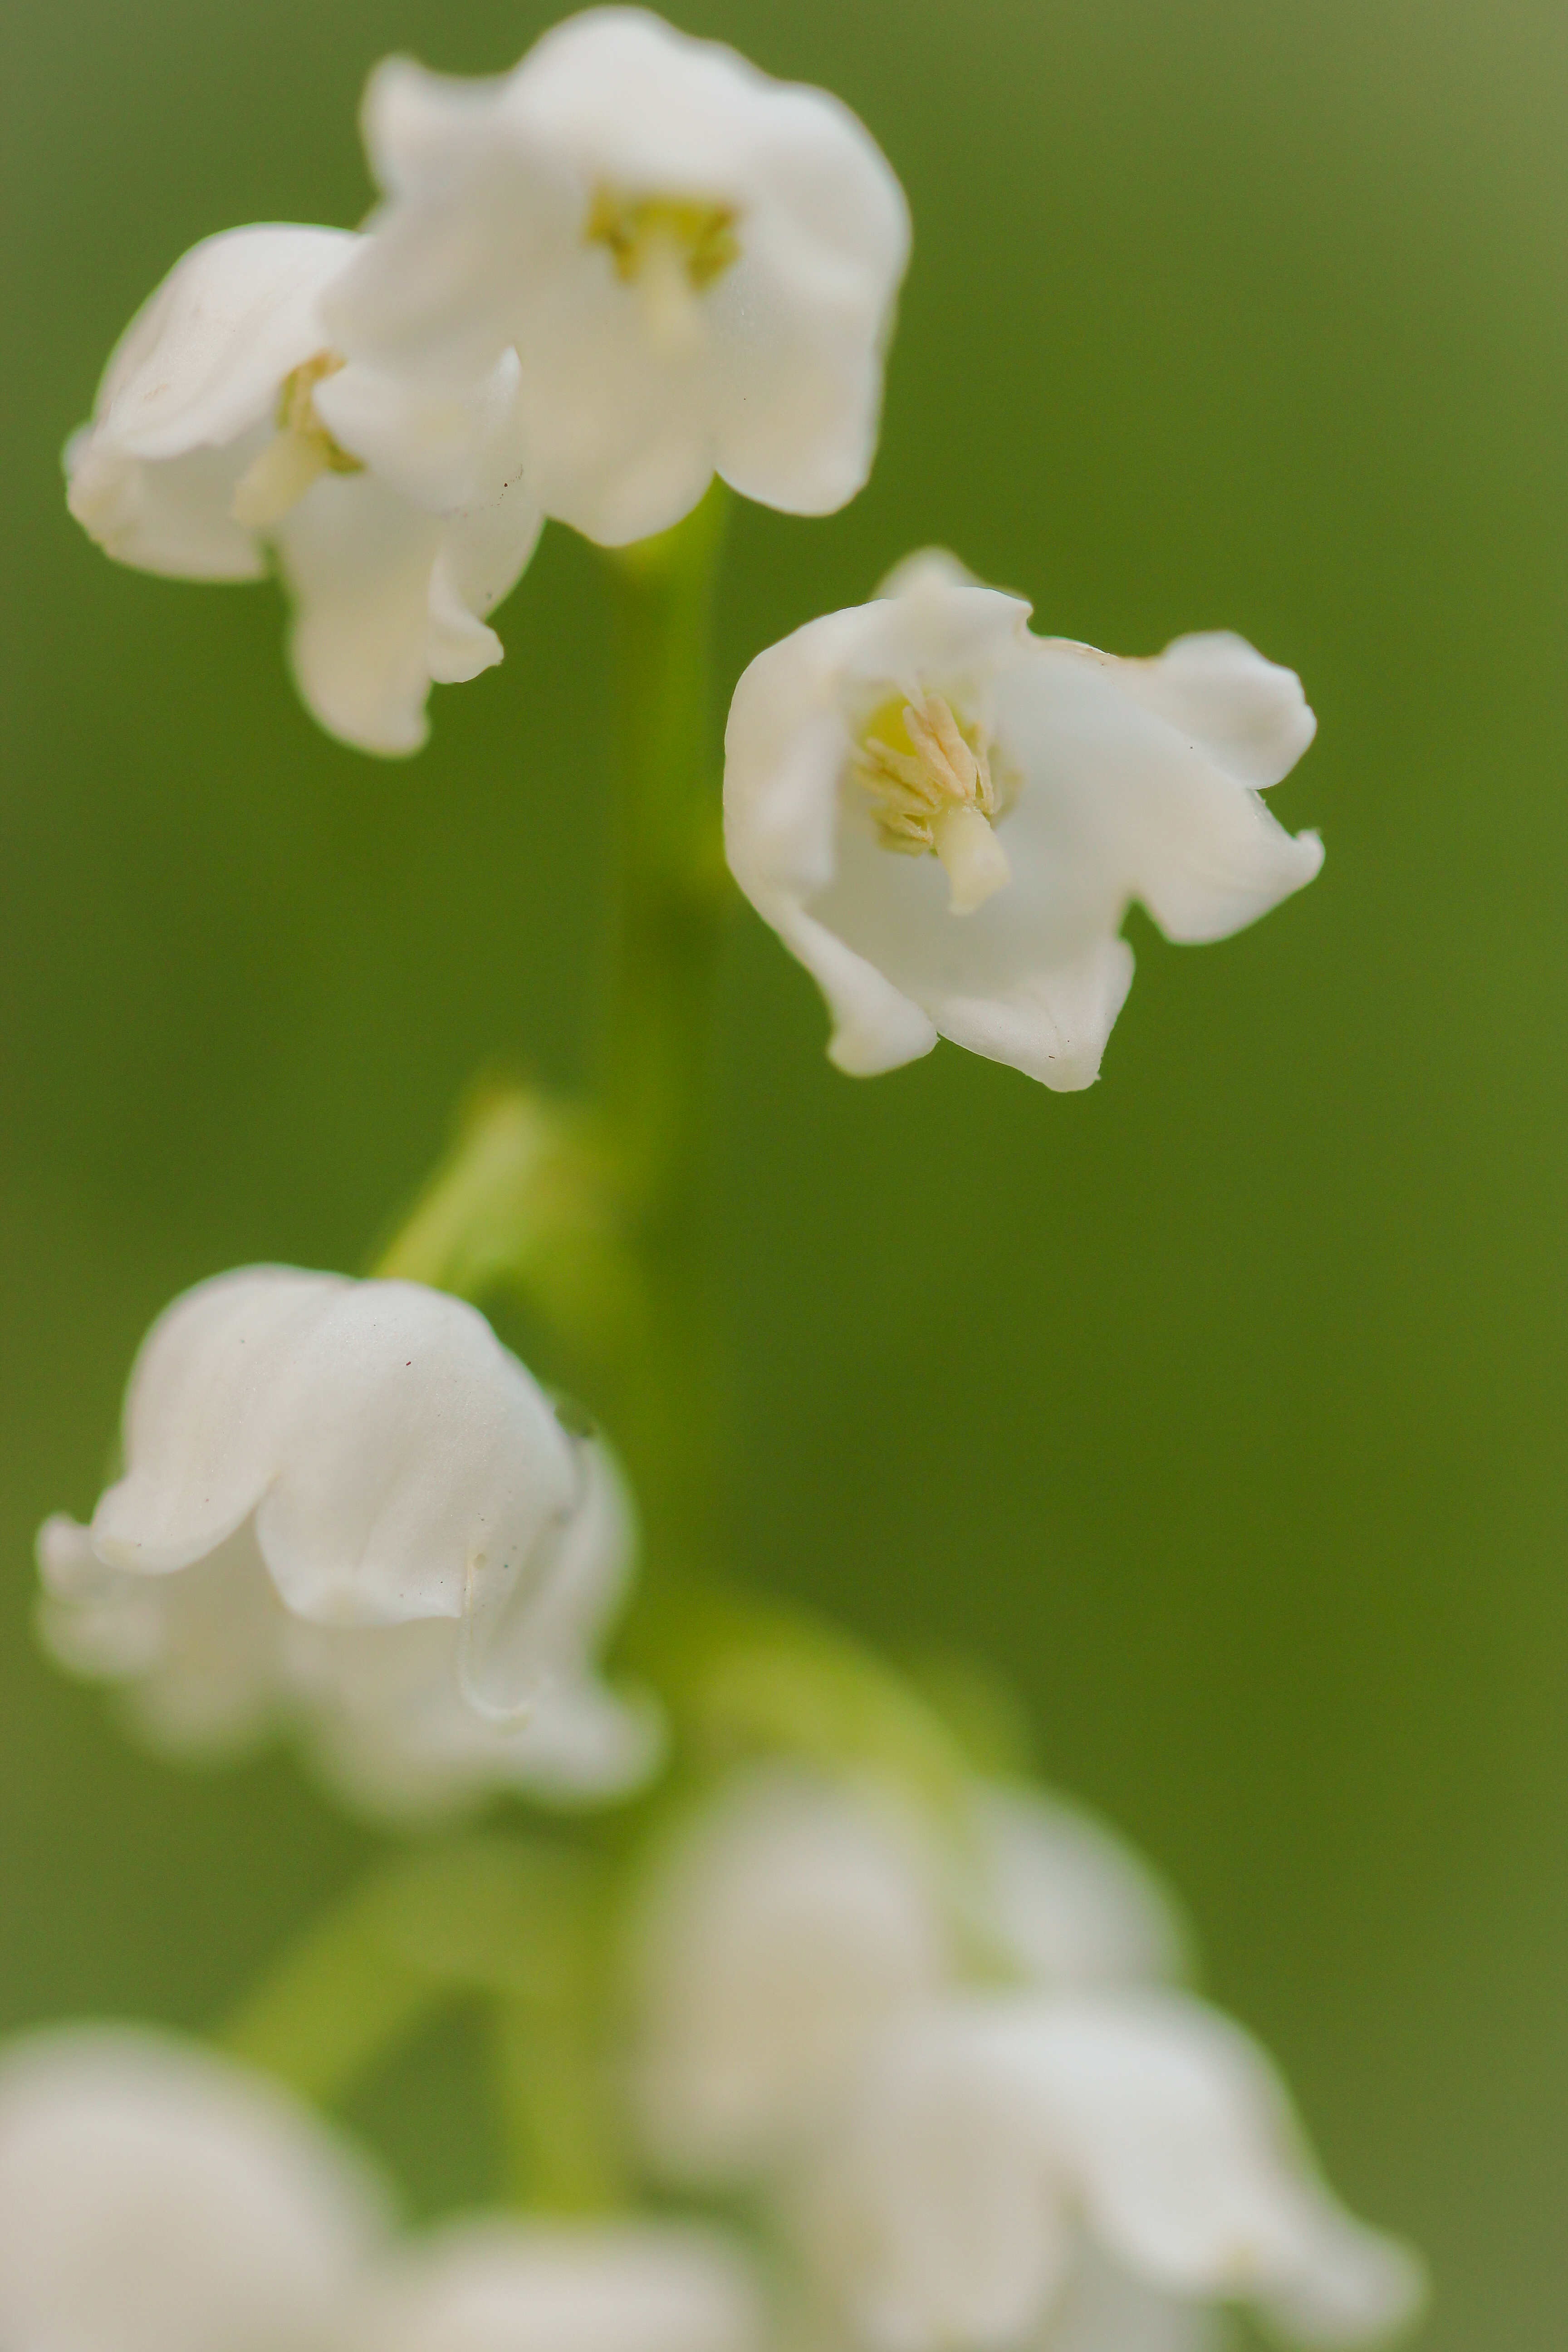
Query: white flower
x=1069, y=1904
x=785, y=1925
x=695, y=265
x=622, y=2286
x=389, y=1459
x=946, y=818
x=790, y=1922
x=392, y=1736
x=154, y=2198
x=996, y=2134
x=211, y=1662
x=227, y=428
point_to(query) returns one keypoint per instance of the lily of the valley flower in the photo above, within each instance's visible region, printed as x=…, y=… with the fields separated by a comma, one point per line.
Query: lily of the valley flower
x=154, y=2198
x=210, y=1662
x=228, y=432
x=387, y=1458
x=696, y=267
x=946, y=818
x=995, y=2137
x=616, y=2286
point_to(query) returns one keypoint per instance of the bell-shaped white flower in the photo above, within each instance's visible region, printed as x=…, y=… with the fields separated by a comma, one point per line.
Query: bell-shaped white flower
x=210, y=1662
x=388, y=1728
x=787, y=1923
x=154, y=2198
x=391, y=1461
x=696, y=267
x=946, y=818
x=620, y=2287
x=1070, y=1905
x=790, y=1922
x=229, y=433
x=995, y=2137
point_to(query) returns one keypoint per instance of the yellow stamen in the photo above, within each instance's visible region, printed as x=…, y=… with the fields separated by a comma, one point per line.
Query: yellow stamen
x=931, y=791
x=298, y=453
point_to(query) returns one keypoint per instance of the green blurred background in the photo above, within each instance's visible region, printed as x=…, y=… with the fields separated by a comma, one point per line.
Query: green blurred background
x=1223, y=1404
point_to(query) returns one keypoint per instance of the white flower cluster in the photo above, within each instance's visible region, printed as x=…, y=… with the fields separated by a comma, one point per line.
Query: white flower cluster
x=349, y=1513
x=631, y=263
x=977, y=2106
x=943, y=2117
x=592, y=283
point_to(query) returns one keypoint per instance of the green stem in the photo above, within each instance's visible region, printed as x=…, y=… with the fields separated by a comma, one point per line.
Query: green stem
x=671, y=900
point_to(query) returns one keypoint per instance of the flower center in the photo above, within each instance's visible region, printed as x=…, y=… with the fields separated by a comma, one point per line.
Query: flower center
x=931, y=791
x=671, y=249
x=300, y=452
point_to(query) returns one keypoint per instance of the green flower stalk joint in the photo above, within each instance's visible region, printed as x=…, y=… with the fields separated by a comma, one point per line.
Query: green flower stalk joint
x=814, y=2030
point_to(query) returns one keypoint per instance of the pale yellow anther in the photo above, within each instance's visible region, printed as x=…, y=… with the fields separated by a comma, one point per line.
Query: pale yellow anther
x=671, y=249
x=933, y=791
x=300, y=452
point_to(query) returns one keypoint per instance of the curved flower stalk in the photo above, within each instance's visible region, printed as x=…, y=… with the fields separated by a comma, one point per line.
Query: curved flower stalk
x=612, y=2286
x=385, y=1455
x=946, y=818
x=996, y=2136
x=229, y=433
x=211, y=1662
x=154, y=2198
x=695, y=265
x=822, y=2016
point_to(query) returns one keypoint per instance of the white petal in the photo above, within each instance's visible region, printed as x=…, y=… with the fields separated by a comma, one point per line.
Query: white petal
x=1074, y=1905
x=624, y=2286
x=200, y=1653
x=388, y=1722
x=786, y=1926
x=399, y=1463
x=357, y=561
x=936, y=2219
x=155, y=2199
x=1248, y=716
x=1103, y=2309
x=1184, y=2150
x=188, y=395
x=774, y=376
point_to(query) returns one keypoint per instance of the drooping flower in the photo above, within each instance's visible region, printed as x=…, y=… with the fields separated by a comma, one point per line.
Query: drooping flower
x=695, y=265
x=946, y=818
x=998, y=2137
x=617, y=2286
x=155, y=2197
x=790, y=1922
x=229, y=433
x=210, y=1662
x=385, y=1456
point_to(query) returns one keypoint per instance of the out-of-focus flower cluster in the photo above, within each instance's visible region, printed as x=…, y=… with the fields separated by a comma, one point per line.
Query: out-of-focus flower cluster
x=948, y=2096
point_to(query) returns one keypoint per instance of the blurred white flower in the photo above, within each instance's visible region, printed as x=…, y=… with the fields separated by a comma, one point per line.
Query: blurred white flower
x=620, y=2287
x=387, y=1457
x=154, y=2198
x=226, y=426
x=786, y=1923
x=695, y=265
x=1069, y=1902
x=790, y=1922
x=946, y=818
x=211, y=1662
x=996, y=2136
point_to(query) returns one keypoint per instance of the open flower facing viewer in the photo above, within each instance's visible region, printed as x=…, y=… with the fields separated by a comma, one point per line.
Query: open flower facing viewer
x=695, y=265
x=946, y=818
